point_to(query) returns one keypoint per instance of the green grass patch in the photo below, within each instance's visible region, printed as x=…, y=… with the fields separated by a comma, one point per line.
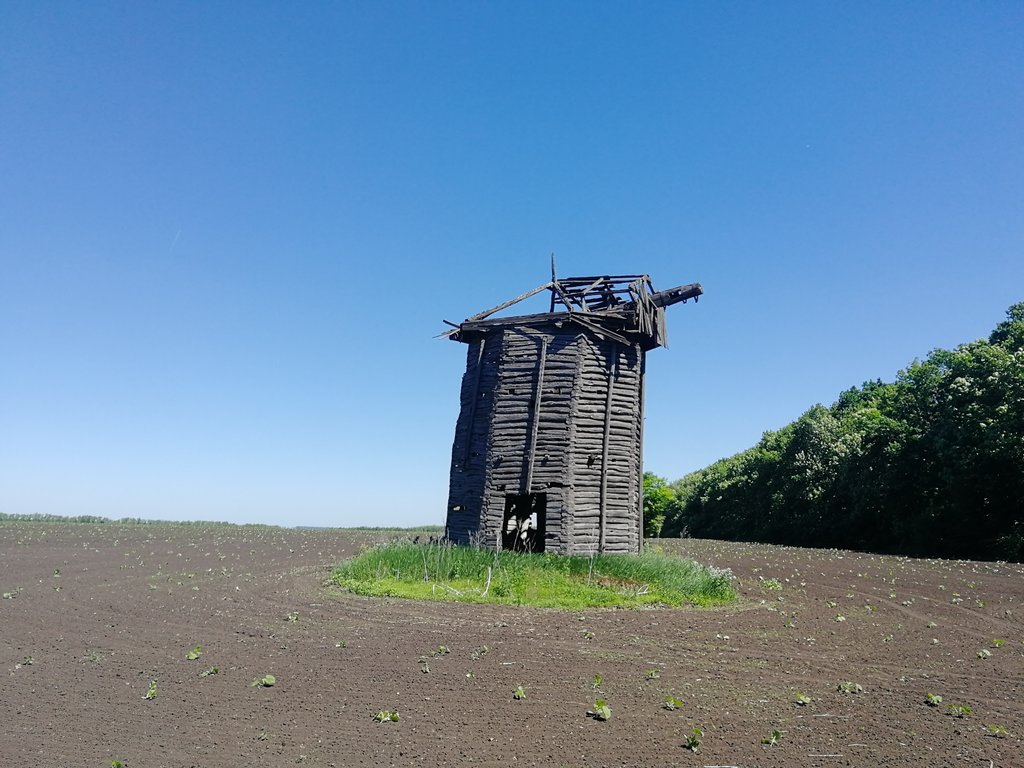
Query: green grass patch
x=473, y=575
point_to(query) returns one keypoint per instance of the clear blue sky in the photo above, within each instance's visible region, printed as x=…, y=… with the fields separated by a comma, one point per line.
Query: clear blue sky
x=230, y=231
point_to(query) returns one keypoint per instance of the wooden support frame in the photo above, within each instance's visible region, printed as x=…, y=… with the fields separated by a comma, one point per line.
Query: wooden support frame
x=535, y=417
x=613, y=370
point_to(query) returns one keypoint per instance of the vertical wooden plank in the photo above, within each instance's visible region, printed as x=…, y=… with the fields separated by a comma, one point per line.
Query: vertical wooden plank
x=613, y=367
x=640, y=437
x=472, y=403
x=535, y=416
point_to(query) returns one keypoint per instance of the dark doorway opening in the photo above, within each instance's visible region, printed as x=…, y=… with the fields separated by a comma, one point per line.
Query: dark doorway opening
x=523, y=527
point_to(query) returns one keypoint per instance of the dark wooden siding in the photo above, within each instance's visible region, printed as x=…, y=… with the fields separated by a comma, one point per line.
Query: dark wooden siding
x=537, y=416
x=469, y=467
x=603, y=362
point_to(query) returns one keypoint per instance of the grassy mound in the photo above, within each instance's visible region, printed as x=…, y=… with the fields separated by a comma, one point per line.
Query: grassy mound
x=472, y=575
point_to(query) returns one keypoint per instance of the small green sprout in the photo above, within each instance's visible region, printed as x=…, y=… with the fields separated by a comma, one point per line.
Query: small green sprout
x=772, y=584
x=998, y=731
x=601, y=710
x=598, y=679
x=802, y=699
x=341, y=644
x=850, y=687
x=424, y=665
x=772, y=738
x=480, y=652
x=263, y=682
x=932, y=699
x=151, y=693
x=210, y=671
x=652, y=674
x=998, y=643
x=386, y=716
x=586, y=634
x=9, y=595
x=115, y=763
x=441, y=650
x=694, y=739
x=671, y=703
x=292, y=617
x=959, y=710
x=840, y=617
x=519, y=694
x=984, y=653
x=194, y=654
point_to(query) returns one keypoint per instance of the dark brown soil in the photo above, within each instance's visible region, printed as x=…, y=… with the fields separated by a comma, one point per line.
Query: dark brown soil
x=103, y=610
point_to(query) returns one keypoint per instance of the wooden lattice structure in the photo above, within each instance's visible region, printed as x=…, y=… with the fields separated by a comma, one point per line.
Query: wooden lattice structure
x=547, y=453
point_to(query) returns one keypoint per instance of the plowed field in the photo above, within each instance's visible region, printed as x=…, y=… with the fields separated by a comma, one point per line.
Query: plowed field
x=93, y=614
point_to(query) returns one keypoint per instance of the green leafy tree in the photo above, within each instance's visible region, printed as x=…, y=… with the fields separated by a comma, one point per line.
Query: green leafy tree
x=659, y=503
x=930, y=464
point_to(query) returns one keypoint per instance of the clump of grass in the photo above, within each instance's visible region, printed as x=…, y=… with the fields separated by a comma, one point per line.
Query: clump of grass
x=469, y=574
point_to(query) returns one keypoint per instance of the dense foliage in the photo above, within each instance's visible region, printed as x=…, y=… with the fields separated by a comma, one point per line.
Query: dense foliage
x=931, y=464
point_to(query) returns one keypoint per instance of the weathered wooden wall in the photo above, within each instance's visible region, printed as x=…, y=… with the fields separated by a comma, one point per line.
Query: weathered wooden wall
x=554, y=411
x=606, y=448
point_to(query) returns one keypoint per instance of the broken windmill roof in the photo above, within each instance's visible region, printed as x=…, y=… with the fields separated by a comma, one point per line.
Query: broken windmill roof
x=624, y=308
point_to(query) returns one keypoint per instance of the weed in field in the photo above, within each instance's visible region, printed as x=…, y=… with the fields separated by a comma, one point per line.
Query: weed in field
x=151, y=692
x=959, y=710
x=28, y=661
x=210, y=671
x=479, y=653
x=292, y=617
x=772, y=738
x=115, y=763
x=932, y=699
x=587, y=634
x=802, y=699
x=340, y=644
x=266, y=681
x=984, y=653
x=998, y=643
x=598, y=679
x=652, y=674
x=772, y=584
x=386, y=716
x=601, y=710
x=194, y=654
x=850, y=687
x=694, y=739
x=997, y=730
x=671, y=703
x=518, y=694
x=441, y=651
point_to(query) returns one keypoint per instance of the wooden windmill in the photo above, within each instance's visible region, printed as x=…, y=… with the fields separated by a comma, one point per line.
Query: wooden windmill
x=547, y=453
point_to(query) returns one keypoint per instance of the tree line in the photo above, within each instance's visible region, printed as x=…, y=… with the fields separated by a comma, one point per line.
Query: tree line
x=930, y=465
